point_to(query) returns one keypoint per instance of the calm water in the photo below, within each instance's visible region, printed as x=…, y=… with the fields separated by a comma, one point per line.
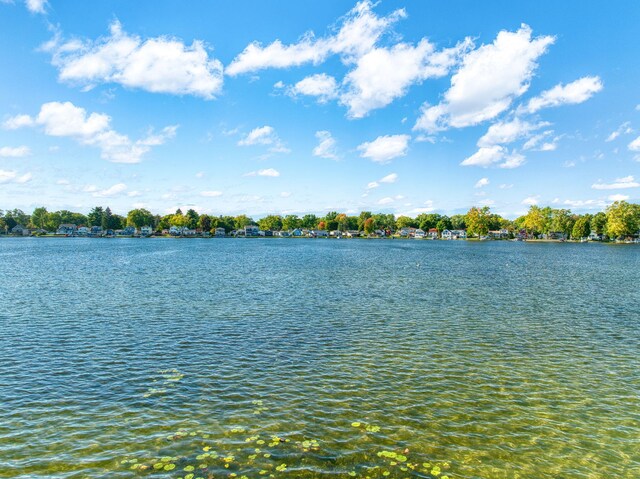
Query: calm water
x=318, y=358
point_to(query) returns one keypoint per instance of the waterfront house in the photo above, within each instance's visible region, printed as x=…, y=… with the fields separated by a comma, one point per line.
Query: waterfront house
x=447, y=235
x=188, y=232
x=319, y=233
x=459, y=234
x=175, y=231
x=146, y=231
x=297, y=232
x=353, y=234
x=335, y=234
x=67, y=229
x=251, y=230
x=220, y=233
x=83, y=231
x=380, y=233
x=95, y=231
x=284, y=234
x=20, y=230
x=129, y=231
x=594, y=236
x=419, y=234
x=432, y=233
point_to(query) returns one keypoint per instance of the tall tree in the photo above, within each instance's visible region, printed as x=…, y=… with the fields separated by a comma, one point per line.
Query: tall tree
x=291, y=222
x=581, y=227
x=94, y=218
x=623, y=219
x=309, y=221
x=478, y=221
x=204, y=222
x=139, y=217
x=39, y=217
x=192, y=218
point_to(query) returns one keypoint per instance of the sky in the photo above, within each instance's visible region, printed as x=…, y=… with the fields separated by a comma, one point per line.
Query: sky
x=292, y=107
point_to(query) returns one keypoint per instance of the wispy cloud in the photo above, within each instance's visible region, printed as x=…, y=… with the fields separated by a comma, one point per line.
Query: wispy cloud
x=618, y=184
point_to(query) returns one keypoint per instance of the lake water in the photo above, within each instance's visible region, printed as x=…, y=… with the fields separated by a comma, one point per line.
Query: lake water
x=318, y=358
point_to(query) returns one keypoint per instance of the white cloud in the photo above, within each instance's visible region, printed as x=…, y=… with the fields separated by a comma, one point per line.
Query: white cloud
x=63, y=182
x=134, y=194
x=158, y=65
x=494, y=156
x=266, y=172
x=200, y=174
x=584, y=203
x=385, y=148
x=373, y=184
x=285, y=194
x=211, y=194
x=384, y=74
x=618, y=197
x=279, y=84
x=514, y=160
x=501, y=133
x=111, y=191
x=505, y=186
x=575, y=92
x=322, y=86
x=264, y=135
x=67, y=120
x=530, y=201
x=14, y=152
x=625, y=129
x=17, y=121
x=36, y=6
x=391, y=178
x=359, y=32
x=635, y=145
x=618, y=184
x=487, y=82
x=386, y=201
x=326, y=147
x=482, y=182
x=534, y=141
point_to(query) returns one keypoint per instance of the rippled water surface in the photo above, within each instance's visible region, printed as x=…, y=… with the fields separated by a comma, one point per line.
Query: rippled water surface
x=318, y=358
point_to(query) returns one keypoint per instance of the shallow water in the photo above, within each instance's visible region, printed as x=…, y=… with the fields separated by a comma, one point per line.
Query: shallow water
x=352, y=358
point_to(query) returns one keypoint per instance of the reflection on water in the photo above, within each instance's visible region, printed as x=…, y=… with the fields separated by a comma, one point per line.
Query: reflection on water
x=318, y=358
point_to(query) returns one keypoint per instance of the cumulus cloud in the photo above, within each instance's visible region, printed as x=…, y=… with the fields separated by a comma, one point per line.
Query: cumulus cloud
x=359, y=32
x=618, y=184
x=158, y=65
x=385, y=148
x=270, y=172
x=623, y=129
x=504, y=132
x=326, y=147
x=14, y=152
x=487, y=82
x=264, y=135
x=618, y=197
x=111, y=191
x=494, y=156
x=530, y=201
x=482, y=182
x=635, y=145
x=321, y=85
x=373, y=184
x=211, y=194
x=384, y=74
x=575, y=92
x=11, y=176
x=391, y=178
x=67, y=120
x=37, y=6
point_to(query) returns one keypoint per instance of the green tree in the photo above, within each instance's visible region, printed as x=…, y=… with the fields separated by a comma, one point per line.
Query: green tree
x=204, y=222
x=291, y=222
x=623, y=219
x=343, y=222
x=369, y=226
x=139, y=217
x=94, y=218
x=405, y=222
x=443, y=223
x=562, y=221
x=458, y=222
x=270, y=223
x=581, y=228
x=192, y=219
x=599, y=223
x=477, y=221
x=39, y=217
x=364, y=216
x=241, y=221
x=179, y=220
x=535, y=221
x=109, y=220
x=426, y=221
x=309, y=221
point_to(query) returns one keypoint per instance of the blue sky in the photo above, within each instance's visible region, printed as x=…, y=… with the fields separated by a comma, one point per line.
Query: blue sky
x=294, y=107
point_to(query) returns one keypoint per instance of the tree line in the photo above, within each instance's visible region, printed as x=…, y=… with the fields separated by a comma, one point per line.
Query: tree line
x=620, y=219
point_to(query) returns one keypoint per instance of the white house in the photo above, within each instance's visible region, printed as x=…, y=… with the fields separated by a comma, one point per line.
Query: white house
x=220, y=233
x=320, y=233
x=433, y=233
x=447, y=234
x=66, y=229
x=146, y=231
x=419, y=234
x=251, y=230
x=83, y=231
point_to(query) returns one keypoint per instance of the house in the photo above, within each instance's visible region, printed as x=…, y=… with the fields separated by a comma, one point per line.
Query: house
x=297, y=232
x=555, y=235
x=380, y=233
x=251, y=230
x=353, y=234
x=188, y=232
x=419, y=234
x=335, y=234
x=175, y=231
x=499, y=234
x=284, y=234
x=83, y=231
x=20, y=230
x=459, y=234
x=319, y=233
x=220, y=233
x=67, y=229
x=129, y=231
x=146, y=231
x=447, y=235
x=432, y=233
x=594, y=236
x=95, y=231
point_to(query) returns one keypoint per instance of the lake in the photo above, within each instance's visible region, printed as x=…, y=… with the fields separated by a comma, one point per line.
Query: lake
x=318, y=358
